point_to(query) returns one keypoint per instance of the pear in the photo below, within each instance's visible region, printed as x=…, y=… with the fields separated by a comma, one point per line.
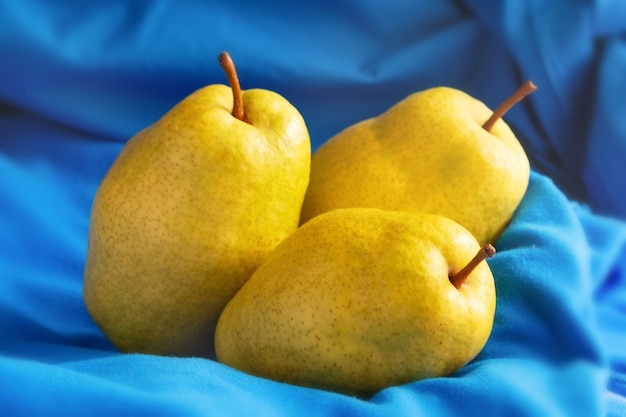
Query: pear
x=359, y=299
x=188, y=210
x=438, y=151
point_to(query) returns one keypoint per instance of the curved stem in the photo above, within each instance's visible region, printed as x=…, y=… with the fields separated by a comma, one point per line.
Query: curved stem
x=229, y=68
x=527, y=88
x=485, y=252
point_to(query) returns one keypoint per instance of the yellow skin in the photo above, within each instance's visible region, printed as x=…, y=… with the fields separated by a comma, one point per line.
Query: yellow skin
x=189, y=209
x=360, y=299
x=428, y=153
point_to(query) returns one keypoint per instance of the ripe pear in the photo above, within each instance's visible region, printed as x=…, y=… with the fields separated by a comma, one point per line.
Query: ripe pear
x=359, y=299
x=432, y=152
x=189, y=209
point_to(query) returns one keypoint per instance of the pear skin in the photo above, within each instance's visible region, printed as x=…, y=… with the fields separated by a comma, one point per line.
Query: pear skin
x=189, y=209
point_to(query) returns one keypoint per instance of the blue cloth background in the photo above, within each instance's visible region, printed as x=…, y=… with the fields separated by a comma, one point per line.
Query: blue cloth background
x=77, y=79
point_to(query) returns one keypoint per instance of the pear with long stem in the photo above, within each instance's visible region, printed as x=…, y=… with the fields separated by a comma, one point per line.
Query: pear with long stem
x=438, y=151
x=189, y=209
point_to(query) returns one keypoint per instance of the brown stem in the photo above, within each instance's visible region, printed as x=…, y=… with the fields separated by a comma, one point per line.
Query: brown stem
x=527, y=88
x=485, y=252
x=229, y=68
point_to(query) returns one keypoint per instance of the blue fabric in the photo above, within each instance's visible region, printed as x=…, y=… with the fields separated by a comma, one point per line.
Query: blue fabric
x=78, y=79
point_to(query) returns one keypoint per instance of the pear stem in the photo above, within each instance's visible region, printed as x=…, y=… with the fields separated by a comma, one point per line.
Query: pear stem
x=485, y=252
x=527, y=88
x=228, y=66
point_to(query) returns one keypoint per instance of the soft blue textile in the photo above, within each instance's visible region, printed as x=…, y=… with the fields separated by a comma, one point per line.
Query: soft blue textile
x=77, y=79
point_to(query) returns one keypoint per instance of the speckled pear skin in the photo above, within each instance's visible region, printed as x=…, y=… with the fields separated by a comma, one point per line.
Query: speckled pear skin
x=428, y=153
x=190, y=208
x=360, y=299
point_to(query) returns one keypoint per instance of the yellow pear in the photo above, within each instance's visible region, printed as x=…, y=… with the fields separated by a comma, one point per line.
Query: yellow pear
x=360, y=299
x=189, y=209
x=432, y=152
